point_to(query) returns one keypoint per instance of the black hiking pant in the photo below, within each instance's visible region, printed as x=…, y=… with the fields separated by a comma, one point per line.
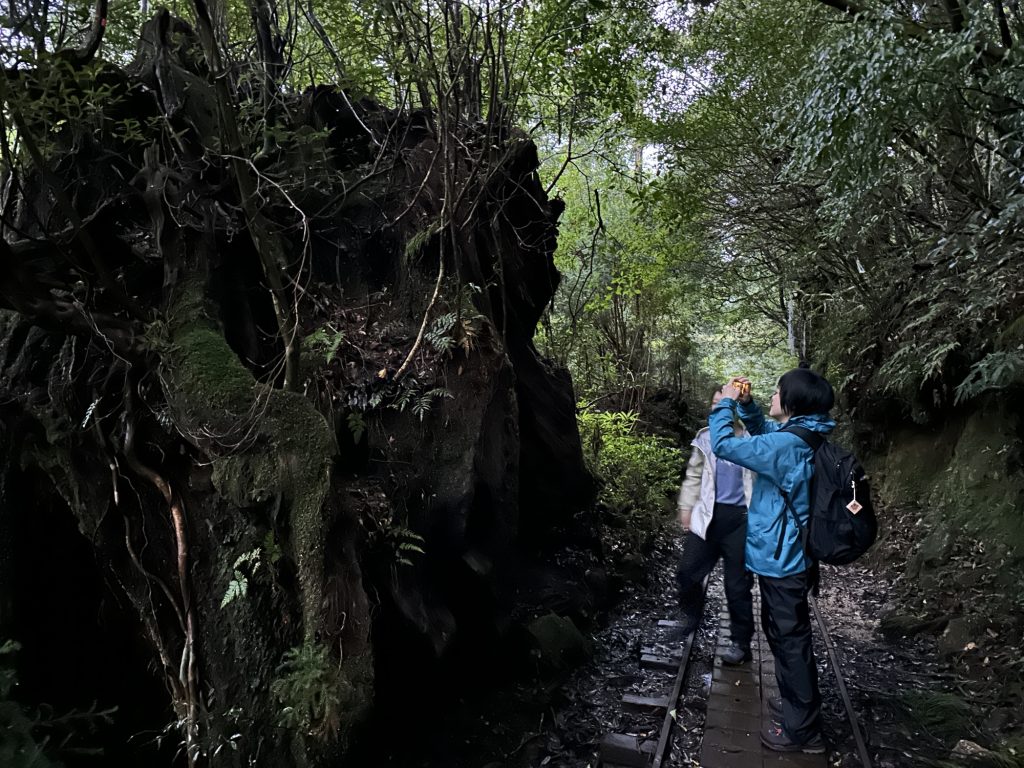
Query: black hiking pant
x=726, y=539
x=786, y=620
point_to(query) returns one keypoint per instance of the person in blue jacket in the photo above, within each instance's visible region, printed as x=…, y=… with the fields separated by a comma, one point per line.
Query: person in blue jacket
x=783, y=463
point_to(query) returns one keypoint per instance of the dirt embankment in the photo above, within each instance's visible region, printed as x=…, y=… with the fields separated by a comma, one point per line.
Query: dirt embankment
x=948, y=600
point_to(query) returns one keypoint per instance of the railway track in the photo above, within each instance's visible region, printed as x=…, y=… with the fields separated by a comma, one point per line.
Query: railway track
x=736, y=707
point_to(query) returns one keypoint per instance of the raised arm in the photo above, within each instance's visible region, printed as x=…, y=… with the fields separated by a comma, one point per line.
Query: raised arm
x=755, y=453
x=753, y=419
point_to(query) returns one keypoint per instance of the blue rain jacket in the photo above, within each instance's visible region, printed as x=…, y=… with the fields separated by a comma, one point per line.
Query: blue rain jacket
x=781, y=460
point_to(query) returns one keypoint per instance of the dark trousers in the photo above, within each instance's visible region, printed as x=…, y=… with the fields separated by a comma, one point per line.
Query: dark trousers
x=726, y=539
x=786, y=619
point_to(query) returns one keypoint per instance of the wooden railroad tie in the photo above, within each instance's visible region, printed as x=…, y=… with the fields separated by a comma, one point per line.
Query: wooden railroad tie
x=626, y=750
x=651, y=661
x=645, y=703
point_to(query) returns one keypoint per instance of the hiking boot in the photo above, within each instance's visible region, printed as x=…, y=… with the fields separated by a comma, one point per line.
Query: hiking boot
x=735, y=655
x=775, y=739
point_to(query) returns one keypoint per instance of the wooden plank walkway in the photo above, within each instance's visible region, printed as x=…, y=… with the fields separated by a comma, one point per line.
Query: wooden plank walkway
x=738, y=706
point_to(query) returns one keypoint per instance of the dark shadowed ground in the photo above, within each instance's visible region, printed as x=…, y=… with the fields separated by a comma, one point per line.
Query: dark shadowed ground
x=910, y=693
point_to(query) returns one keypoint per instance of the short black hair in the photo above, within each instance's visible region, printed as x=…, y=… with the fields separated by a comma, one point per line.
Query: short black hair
x=803, y=391
x=715, y=389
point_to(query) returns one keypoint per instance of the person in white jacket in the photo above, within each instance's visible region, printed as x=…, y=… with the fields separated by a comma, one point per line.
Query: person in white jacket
x=712, y=507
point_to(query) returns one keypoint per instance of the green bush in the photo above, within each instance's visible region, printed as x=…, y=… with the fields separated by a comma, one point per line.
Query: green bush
x=36, y=738
x=311, y=690
x=19, y=747
x=639, y=472
x=319, y=695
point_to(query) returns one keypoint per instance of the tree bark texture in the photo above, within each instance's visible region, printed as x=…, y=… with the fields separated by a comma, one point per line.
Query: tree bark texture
x=160, y=267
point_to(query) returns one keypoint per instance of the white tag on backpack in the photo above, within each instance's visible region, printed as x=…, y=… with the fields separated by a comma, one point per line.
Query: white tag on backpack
x=854, y=506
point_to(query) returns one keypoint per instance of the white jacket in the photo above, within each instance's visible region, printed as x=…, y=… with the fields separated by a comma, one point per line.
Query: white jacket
x=697, y=492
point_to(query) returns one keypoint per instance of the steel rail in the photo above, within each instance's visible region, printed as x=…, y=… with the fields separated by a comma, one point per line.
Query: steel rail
x=862, y=748
x=661, y=752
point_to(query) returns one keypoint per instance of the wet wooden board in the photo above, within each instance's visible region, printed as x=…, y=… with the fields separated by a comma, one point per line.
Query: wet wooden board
x=659, y=662
x=626, y=750
x=648, y=703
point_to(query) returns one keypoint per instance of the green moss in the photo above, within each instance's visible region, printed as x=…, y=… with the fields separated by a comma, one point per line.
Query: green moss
x=943, y=714
x=212, y=392
x=205, y=364
x=959, y=472
x=264, y=441
x=910, y=469
x=975, y=490
x=248, y=478
x=305, y=445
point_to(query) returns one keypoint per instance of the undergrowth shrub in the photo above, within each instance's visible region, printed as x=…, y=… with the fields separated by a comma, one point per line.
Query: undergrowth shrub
x=39, y=737
x=312, y=690
x=638, y=472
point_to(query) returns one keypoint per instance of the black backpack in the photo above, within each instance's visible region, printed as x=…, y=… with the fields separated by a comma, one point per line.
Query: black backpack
x=842, y=525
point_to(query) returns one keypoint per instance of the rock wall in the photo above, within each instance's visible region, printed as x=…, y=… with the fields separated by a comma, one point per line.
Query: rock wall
x=965, y=475
x=952, y=531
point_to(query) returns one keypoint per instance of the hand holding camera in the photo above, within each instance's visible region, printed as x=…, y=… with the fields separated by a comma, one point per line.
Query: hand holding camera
x=738, y=389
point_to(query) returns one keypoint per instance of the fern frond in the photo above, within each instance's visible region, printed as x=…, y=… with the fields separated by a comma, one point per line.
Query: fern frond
x=237, y=588
x=250, y=558
x=439, y=336
x=356, y=425
x=272, y=548
x=417, y=241
x=326, y=341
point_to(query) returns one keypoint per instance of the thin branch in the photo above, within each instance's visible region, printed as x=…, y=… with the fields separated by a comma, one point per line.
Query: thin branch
x=426, y=318
x=1004, y=28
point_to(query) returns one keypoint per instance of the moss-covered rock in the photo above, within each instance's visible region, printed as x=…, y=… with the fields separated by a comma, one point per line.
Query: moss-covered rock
x=910, y=468
x=557, y=641
x=961, y=475
x=976, y=489
x=935, y=550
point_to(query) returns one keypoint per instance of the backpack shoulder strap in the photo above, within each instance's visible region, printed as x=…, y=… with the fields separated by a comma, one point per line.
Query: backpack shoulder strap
x=813, y=439
x=787, y=507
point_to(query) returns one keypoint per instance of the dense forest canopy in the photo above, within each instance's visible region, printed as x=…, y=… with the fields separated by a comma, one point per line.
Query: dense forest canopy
x=859, y=165
x=805, y=163
x=241, y=242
